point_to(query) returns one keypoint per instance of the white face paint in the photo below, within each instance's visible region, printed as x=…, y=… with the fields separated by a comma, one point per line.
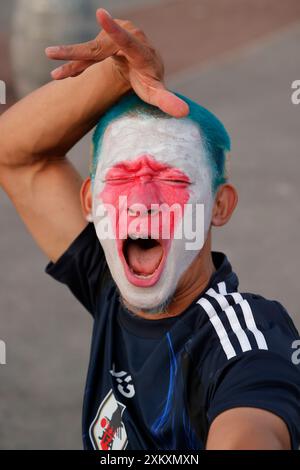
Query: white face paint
x=175, y=143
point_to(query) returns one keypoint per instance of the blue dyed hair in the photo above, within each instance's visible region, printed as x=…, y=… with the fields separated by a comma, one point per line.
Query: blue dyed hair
x=215, y=137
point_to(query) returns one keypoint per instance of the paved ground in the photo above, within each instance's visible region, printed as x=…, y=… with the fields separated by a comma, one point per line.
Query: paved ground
x=47, y=333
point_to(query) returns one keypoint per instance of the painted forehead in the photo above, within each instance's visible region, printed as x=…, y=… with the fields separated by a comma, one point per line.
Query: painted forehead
x=176, y=142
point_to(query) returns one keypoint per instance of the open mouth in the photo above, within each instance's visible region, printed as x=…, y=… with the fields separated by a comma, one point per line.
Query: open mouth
x=143, y=259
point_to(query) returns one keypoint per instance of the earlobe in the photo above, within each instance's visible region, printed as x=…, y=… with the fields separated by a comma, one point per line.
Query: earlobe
x=89, y=217
x=225, y=203
x=86, y=199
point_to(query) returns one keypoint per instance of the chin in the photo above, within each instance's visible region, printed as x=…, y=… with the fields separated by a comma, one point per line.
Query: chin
x=155, y=297
x=149, y=304
x=155, y=310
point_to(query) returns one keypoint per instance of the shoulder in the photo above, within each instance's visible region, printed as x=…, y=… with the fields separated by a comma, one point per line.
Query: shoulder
x=243, y=323
x=269, y=317
x=83, y=268
x=243, y=356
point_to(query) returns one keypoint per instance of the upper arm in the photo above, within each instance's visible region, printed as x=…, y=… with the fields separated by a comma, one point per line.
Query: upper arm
x=248, y=429
x=46, y=195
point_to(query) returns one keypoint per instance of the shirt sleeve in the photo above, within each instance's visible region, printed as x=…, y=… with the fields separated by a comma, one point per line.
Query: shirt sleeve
x=83, y=268
x=262, y=380
x=268, y=379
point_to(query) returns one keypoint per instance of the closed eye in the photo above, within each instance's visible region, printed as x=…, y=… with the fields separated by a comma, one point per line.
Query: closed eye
x=175, y=181
x=171, y=181
x=118, y=180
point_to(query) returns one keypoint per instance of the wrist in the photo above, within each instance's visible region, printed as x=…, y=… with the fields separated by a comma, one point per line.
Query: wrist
x=120, y=83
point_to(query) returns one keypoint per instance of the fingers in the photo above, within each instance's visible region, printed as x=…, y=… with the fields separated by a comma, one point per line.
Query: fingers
x=117, y=37
x=71, y=69
x=81, y=56
x=120, y=36
x=96, y=50
x=103, y=46
x=121, y=39
x=74, y=52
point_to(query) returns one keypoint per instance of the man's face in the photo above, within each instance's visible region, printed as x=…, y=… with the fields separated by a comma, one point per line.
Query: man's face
x=151, y=179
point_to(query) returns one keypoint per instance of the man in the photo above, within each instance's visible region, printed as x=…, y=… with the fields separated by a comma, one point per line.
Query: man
x=179, y=358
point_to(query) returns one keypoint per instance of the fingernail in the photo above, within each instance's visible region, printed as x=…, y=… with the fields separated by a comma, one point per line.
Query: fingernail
x=52, y=50
x=105, y=11
x=55, y=72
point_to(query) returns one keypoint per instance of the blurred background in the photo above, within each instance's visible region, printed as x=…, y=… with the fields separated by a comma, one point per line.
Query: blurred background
x=236, y=57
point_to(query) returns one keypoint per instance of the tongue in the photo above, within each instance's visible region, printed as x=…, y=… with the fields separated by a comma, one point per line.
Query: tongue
x=144, y=260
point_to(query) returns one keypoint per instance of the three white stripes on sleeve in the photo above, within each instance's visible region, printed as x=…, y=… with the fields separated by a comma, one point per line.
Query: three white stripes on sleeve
x=233, y=320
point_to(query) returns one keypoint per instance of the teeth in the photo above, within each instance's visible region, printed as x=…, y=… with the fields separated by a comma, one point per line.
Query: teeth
x=134, y=236
x=142, y=276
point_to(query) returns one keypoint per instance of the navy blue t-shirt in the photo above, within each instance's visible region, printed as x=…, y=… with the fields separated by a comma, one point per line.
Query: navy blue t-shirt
x=159, y=384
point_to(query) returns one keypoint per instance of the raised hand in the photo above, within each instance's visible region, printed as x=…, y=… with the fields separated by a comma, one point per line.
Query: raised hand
x=135, y=61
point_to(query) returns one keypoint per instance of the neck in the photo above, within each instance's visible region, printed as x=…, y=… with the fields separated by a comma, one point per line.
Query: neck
x=191, y=284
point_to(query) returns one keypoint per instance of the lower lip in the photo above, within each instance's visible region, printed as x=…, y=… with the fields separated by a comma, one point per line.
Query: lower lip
x=140, y=281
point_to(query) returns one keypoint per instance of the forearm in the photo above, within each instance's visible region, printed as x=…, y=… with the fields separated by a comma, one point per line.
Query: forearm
x=248, y=441
x=49, y=121
x=248, y=429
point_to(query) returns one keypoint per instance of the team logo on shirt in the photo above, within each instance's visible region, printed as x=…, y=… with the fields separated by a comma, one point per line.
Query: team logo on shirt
x=107, y=431
x=124, y=380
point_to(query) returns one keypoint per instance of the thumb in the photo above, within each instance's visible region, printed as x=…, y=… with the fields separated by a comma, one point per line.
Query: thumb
x=169, y=103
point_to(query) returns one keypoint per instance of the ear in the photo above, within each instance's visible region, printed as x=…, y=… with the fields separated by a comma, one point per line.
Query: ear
x=86, y=199
x=225, y=202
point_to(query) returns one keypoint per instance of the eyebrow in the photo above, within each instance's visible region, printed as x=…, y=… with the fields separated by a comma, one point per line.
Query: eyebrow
x=144, y=160
x=145, y=165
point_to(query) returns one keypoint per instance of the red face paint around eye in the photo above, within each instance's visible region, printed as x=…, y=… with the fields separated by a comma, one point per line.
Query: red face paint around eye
x=144, y=181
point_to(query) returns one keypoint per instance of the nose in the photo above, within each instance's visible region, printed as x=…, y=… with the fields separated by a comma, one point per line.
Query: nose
x=135, y=209
x=146, y=196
